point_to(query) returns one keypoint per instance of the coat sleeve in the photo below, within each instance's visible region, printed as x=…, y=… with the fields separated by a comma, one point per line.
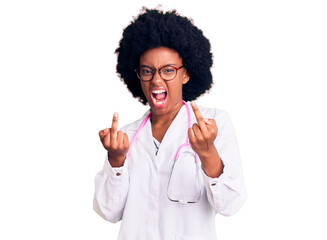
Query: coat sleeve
x=111, y=190
x=226, y=193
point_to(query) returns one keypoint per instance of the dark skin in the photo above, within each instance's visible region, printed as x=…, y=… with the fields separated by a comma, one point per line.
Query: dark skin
x=201, y=135
x=160, y=126
x=163, y=114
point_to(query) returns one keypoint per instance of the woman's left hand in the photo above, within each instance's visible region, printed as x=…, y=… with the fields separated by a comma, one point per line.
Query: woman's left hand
x=202, y=136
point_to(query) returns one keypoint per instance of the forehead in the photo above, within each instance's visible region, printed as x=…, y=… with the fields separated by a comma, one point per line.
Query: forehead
x=160, y=56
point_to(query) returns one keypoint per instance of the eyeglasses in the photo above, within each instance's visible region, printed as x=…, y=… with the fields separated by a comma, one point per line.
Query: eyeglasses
x=167, y=73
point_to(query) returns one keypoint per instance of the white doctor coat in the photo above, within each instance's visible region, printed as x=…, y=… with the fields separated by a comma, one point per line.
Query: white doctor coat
x=136, y=193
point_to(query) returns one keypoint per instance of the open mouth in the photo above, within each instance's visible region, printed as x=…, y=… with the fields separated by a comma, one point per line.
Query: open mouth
x=159, y=97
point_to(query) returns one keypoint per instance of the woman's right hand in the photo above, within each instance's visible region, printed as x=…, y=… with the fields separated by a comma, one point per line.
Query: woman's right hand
x=116, y=143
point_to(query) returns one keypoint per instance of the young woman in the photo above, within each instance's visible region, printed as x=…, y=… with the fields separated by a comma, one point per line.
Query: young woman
x=167, y=174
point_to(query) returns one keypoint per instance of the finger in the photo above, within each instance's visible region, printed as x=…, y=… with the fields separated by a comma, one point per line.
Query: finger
x=101, y=137
x=114, y=125
x=197, y=132
x=120, y=138
x=213, y=126
x=125, y=140
x=106, y=140
x=198, y=116
x=103, y=132
x=208, y=121
x=191, y=135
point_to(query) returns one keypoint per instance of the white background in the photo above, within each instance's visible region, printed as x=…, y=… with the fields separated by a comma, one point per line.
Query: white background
x=59, y=88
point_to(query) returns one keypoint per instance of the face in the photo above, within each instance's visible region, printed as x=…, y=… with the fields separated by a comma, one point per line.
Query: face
x=163, y=96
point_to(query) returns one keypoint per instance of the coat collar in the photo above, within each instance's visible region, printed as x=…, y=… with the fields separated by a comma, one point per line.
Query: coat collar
x=177, y=130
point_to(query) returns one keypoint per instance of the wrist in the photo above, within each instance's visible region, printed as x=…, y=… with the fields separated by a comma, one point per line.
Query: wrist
x=116, y=161
x=211, y=163
x=209, y=153
x=212, y=172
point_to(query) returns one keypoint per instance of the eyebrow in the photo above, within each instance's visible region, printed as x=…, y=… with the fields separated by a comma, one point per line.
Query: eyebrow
x=159, y=67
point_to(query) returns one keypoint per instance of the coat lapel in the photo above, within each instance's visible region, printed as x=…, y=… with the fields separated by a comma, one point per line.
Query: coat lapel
x=177, y=132
x=146, y=139
x=174, y=137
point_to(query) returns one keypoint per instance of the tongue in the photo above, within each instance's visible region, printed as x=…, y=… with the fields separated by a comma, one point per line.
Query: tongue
x=160, y=96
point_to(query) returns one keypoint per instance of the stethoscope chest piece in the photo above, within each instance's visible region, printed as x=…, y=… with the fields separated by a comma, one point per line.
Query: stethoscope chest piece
x=185, y=183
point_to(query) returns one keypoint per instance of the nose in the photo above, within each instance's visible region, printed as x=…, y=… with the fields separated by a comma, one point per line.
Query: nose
x=156, y=76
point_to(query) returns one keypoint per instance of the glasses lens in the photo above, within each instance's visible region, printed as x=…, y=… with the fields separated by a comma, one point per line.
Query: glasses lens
x=145, y=73
x=168, y=73
x=185, y=184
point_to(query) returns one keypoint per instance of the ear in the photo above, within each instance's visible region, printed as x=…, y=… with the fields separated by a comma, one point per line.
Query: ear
x=186, y=77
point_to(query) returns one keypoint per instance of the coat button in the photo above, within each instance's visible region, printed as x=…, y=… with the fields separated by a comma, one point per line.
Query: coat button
x=118, y=174
x=213, y=184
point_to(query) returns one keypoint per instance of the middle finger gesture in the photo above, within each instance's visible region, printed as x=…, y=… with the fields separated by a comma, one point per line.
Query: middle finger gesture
x=202, y=134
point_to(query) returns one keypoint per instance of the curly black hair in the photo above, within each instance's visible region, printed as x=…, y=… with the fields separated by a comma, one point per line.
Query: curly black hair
x=154, y=28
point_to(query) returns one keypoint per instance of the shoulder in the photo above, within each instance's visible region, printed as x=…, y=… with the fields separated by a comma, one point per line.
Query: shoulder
x=132, y=127
x=219, y=115
x=225, y=127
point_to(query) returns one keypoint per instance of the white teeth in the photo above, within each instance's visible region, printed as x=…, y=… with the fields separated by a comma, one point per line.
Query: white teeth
x=158, y=102
x=158, y=91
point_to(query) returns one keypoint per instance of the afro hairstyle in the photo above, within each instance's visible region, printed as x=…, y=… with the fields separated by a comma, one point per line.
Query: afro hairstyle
x=154, y=28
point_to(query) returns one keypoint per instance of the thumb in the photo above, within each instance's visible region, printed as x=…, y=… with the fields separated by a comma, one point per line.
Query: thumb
x=103, y=132
x=208, y=121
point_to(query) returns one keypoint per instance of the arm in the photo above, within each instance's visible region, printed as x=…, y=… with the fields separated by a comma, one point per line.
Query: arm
x=221, y=164
x=227, y=193
x=111, y=190
x=112, y=183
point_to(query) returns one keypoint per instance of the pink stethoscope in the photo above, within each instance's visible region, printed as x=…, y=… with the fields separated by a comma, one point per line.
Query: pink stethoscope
x=184, y=145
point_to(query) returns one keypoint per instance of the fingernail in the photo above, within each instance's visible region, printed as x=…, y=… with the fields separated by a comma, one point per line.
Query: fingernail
x=115, y=115
x=193, y=104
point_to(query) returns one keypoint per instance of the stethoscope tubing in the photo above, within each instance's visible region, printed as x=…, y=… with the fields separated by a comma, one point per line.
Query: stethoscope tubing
x=186, y=144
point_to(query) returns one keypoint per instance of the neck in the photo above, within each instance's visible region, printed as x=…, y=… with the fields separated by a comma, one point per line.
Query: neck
x=160, y=123
x=167, y=118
